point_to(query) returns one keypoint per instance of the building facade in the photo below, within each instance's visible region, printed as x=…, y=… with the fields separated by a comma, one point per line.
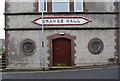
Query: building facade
x=76, y=33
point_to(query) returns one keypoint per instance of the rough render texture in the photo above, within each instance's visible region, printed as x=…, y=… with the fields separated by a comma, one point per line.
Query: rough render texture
x=16, y=7
x=119, y=46
x=100, y=6
x=102, y=20
x=119, y=39
x=18, y=59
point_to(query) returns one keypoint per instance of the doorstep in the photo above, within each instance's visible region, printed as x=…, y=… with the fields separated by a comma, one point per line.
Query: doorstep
x=61, y=67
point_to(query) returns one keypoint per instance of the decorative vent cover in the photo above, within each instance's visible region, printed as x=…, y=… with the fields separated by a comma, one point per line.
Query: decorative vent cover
x=95, y=46
x=28, y=46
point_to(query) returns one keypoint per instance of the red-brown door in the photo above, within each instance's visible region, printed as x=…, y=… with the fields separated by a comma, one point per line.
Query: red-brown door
x=61, y=52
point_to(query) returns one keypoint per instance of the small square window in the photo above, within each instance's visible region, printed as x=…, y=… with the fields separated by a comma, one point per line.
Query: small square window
x=40, y=3
x=60, y=5
x=78, y=5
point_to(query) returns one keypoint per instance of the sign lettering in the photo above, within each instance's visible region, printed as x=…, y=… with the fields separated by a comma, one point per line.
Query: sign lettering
x=61, y=21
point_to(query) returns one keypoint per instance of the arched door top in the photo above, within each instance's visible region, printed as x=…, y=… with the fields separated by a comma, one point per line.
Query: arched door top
x=58, y=35
x=50, y=45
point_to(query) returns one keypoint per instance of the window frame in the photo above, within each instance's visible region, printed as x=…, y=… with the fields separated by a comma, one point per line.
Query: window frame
x=62, y=2
x=40, y=7
x=75, y=6
x=69, y=6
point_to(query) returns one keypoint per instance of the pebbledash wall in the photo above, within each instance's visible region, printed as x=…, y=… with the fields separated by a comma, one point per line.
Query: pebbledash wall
x=101, y=31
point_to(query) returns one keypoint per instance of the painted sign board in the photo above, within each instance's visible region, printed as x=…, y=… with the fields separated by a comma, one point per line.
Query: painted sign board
x=50, y=21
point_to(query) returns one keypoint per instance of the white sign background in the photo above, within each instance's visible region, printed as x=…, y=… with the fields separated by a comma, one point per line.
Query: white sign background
x=62, y=21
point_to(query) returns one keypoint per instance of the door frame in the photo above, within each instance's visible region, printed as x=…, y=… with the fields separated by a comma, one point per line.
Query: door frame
x=50, y=45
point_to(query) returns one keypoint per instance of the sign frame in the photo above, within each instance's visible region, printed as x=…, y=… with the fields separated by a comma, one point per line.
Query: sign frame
x=87, y=21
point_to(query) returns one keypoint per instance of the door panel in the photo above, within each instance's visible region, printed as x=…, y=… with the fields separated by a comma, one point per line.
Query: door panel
x=61, y=52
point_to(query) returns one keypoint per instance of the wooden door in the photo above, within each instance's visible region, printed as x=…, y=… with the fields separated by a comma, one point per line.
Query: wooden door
x=61, y=52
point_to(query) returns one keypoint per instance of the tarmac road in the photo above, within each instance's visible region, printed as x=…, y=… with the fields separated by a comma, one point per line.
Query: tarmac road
x=93, y=73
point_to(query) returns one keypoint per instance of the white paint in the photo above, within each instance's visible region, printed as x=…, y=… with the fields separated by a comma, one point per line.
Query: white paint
x=61, y=33
x=13, y=53
x=61, y=21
